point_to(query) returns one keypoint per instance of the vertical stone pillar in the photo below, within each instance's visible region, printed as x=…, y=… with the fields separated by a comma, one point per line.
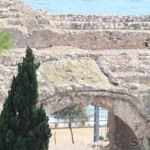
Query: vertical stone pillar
x=112, y=129
x=120, y=134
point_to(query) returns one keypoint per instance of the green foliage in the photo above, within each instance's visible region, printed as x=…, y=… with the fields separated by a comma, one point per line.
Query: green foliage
x=5, y=41
x=23, y=125
x=75, y=113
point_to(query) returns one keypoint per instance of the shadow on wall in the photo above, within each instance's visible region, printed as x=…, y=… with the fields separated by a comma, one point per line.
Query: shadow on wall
x=120, y=134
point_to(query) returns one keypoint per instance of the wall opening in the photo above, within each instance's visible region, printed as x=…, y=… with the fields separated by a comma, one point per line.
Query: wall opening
x=114, y=133
x=82, y=126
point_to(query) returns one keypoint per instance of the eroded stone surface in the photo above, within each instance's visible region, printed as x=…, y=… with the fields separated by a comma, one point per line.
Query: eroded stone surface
x=115, y=80
x=71, y=75
x=83, y=31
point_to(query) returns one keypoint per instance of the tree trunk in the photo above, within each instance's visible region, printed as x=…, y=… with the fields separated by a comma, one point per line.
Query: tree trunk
x=55, y=137
x=70, y=127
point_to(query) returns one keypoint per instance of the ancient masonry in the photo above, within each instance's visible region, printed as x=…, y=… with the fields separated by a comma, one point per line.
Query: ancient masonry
x=101, y=60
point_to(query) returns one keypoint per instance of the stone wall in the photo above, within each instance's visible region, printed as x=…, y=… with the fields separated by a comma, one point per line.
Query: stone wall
x=117, y=80
x=12, y=13
x=82, y=22
x=120, y=134
x=89, y=40
x=110, y=66
x=90, y=32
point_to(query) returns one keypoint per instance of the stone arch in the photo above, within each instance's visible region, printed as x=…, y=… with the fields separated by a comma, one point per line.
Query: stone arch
x=77, y=78
x=121, y=108
x=80, y=81
x=128, y=116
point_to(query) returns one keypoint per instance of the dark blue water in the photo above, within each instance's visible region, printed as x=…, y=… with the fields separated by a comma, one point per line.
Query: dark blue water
x=124, y=7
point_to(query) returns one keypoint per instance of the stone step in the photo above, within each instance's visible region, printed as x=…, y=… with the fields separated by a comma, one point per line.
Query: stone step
x=100, y=25
x=74, y=25
x=100, y=18
x=10, y=21
x=7, y=14
x=83, y=39
x=85, y=25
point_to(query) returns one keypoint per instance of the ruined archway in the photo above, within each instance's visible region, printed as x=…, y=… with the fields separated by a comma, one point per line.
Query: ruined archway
x=85, y=82
x=69, y=75
x=80, y=81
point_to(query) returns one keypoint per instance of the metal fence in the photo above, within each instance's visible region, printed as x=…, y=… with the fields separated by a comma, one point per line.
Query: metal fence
x=62, y=122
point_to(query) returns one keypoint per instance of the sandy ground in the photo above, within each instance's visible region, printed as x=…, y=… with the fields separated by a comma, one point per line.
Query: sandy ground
x=83, y=137
x=70, y=147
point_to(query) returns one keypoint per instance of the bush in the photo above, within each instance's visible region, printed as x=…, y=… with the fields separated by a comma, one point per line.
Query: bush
x=23, y=126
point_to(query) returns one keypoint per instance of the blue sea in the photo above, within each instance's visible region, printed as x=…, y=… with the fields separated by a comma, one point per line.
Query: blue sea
x=118, y=7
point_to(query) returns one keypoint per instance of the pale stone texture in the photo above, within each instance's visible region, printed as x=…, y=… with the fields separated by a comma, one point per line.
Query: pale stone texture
x=83, y=31
x=110, y=79
x=111, y=69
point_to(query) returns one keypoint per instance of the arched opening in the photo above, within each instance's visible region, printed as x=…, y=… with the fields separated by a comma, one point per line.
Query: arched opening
x=67, y=82
x=82, y=122
x=116, y=131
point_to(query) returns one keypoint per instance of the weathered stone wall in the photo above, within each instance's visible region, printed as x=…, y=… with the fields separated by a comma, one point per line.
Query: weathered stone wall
x=111, y=69
x=137, y=22
x=83, y=31
x=116, y=80
x=100, y=18
x=16, y=13
x=120, y=134
x=89, y=40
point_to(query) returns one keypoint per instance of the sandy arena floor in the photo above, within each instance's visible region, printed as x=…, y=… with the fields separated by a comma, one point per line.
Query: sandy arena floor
x=82, y=137
x=70, y=147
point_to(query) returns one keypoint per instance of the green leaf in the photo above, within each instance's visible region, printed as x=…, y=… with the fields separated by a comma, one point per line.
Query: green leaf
x=6, y=41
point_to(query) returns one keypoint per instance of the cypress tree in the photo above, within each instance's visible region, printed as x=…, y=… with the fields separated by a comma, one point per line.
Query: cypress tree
x=23, y=125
